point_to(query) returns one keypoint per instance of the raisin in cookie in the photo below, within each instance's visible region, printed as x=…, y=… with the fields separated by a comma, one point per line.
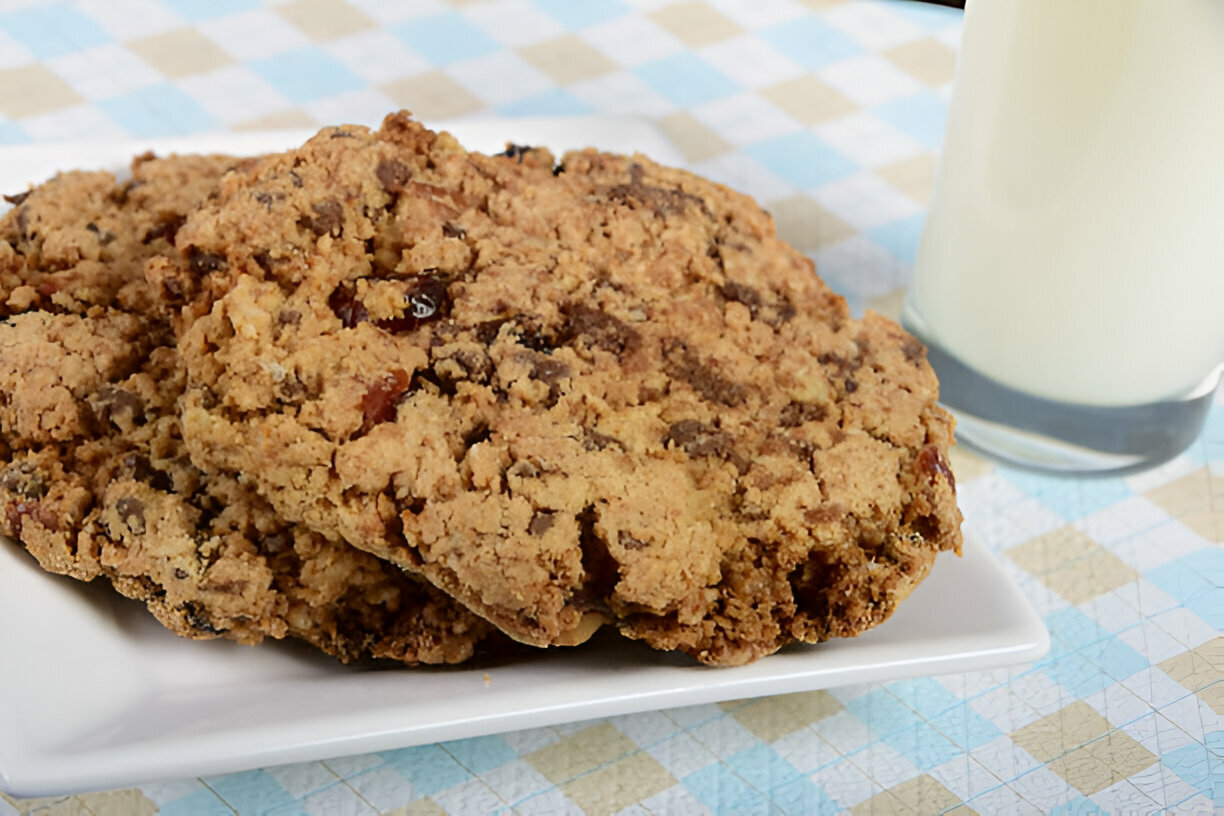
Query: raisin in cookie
x=96, y=482
x=597, y=391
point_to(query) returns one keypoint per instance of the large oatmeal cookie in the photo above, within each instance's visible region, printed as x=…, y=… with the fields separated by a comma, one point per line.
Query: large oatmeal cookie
x=95, y=481
x=600, y=390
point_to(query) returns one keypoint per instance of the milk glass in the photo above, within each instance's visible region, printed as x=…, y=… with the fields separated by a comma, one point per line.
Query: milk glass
x=1069, y=283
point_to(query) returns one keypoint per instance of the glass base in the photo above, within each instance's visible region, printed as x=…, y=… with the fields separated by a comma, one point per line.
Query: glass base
x=1058, y=437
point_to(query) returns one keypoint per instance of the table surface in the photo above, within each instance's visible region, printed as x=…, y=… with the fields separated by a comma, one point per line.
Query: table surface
x=830, y=112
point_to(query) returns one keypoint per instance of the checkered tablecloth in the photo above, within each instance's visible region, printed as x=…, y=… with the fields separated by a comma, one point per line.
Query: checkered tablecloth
x=830, y=112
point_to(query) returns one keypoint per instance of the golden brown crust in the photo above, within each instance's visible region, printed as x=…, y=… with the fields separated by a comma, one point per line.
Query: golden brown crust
x=562, y=394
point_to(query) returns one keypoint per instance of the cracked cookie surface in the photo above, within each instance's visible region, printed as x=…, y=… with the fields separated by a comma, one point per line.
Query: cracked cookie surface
x=95, y=481
x=601, y=390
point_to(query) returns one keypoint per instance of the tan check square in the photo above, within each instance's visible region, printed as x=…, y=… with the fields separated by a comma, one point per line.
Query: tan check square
x=809, y=100
x=1072, y=564
x=887, y=304
x=774, y=717
x=1105, y=762
x=695, y=141
x=806, y=225
x=179, y=53
x=118, y=803
x=284, y=120
x=324, y=20
x=917, y=796
x=33, y=89
x=48, y=806
x=1065, y=729
x=1196, y=500
x=616, y=786
x=421, y=807
x=967, y=465
x=1051, y=551
x=1213, y=697
x=1099, y=572
x=581, y=752
x=927, y=60
x=915, y=177
x=1199, y=667
x=882, y=804
x=567, y=59
x=1078, y=744
x=695, y=24
x=432, y=95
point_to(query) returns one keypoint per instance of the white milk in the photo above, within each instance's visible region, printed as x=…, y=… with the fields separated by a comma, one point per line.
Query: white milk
x=1075, y=247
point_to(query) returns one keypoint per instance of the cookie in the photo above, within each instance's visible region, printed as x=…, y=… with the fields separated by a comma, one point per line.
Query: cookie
x=96, y=482
x=567, y=394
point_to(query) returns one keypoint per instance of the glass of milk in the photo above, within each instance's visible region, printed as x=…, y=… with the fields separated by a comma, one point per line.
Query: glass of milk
x=1070, y=280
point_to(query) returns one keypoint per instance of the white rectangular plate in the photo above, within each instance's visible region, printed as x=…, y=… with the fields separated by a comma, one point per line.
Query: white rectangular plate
x=95, y=694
